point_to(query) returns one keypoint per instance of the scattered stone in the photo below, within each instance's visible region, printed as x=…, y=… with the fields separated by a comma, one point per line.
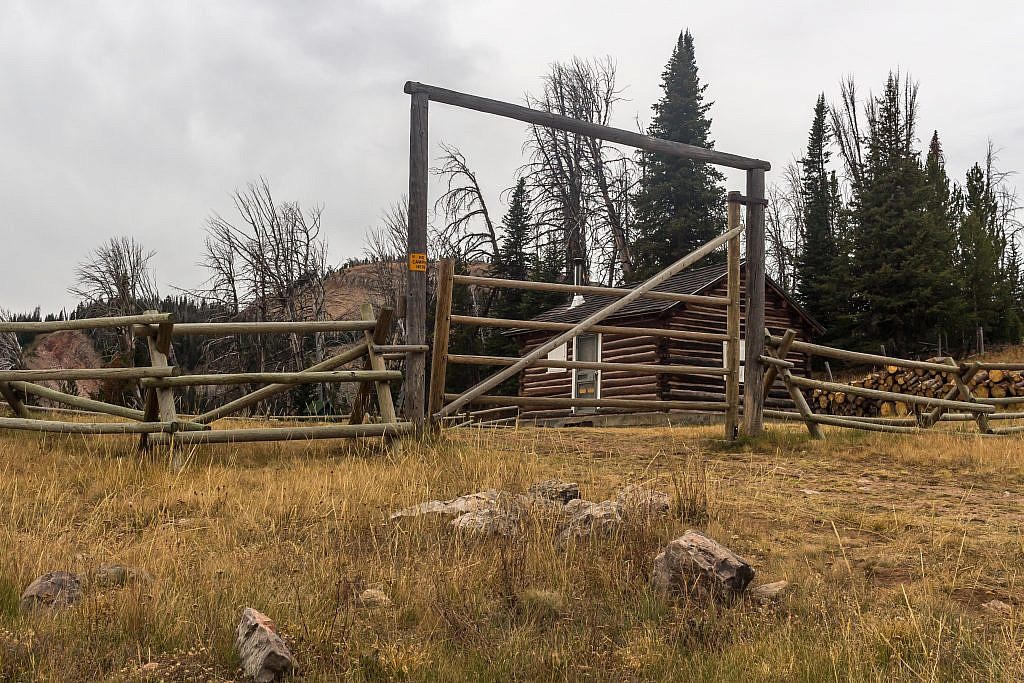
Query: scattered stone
x=371, y=598
x=998, y=607
x=117, y=575
x=150, y=666
x=51, y=590
x=641, y=502
x=455, y=506
x=768, y=592
x=810, y=492
x=697, y=564
x=264, y=655
x=555, y=490
x=591, y=519
x=496, y=521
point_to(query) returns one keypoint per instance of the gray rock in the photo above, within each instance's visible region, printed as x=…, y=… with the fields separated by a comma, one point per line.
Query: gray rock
x=496, y=521
x=695, y=564
x=371, y=598
x=265, y=656
x=555, y=490
x=590, y=519
x=640, y=502
x=51, y=590
x=768, y=592
x=455, y=506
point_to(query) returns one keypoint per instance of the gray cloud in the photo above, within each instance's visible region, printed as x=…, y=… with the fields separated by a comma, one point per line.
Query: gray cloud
x=140, y=117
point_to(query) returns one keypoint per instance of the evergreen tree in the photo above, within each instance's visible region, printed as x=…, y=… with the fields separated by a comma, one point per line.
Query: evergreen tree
x=680, y=203
x=819, y=265
x=902, y=275
x=513, y=263
x=985, y=260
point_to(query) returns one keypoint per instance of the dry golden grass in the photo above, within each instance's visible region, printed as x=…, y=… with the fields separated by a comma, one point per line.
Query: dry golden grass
x=892, y=544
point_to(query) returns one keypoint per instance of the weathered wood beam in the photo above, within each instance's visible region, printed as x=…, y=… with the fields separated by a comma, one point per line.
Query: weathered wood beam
x=891, y=395
x=754, y=265
x=549, y=120
x=86, y=323
x=554, y=402
x=442, y=328
x=587, y=289
x=460, y=359
x=294, y=433
x=416, y=276
x=257, y=328
x=85, y=373
x=604, y=329
x=266, y=392
x=732, y=349
x=328, y=377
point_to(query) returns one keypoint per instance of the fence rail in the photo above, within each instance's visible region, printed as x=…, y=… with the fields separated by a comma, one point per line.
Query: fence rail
x=159, y=420
x=445, y=406
x=959, y=397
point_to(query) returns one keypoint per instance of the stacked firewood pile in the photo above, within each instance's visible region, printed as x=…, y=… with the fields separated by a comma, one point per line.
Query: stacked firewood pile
x=984, y=384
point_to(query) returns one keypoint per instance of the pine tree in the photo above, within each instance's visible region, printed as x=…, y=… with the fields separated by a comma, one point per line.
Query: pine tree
x=680, y=203
x=820, y=264
x=901, y=274
x=513, y=263
x=985, y=259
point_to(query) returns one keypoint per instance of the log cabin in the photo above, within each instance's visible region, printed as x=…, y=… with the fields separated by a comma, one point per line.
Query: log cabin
x=781, y=312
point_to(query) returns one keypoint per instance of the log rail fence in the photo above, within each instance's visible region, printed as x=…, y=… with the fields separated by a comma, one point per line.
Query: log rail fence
x=957, y=402
x=455, y=407
x=159, y=422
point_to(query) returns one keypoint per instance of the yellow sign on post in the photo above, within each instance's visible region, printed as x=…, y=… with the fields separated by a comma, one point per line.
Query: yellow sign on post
x=418, y=262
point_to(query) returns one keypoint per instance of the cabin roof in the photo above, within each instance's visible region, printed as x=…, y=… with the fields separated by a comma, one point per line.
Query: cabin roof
x=690, y=281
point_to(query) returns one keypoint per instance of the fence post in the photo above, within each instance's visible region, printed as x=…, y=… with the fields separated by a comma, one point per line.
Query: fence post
x=16, y=404
x=374, y=362
x=442, y=327
x=753, y=370
x=416, y=287
x=160, y=400
x=732, y=359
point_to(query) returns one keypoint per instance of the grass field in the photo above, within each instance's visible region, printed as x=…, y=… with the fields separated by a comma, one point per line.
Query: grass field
x=892, y=546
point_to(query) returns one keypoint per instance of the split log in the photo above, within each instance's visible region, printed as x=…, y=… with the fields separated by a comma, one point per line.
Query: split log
x=264, y=655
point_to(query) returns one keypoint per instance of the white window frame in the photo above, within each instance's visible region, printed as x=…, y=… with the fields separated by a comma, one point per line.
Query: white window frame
x=558, y=353
x=743, y=353
x=600, y=355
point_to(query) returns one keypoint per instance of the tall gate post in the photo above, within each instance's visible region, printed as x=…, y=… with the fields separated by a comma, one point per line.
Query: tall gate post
x=416, y=283
x=753, y=371
x=732, y=347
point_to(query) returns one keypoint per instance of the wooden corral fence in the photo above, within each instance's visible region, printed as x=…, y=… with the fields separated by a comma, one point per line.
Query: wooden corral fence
x=159, y=421
x=444, y=405
x=958, y=403
x=421, y=95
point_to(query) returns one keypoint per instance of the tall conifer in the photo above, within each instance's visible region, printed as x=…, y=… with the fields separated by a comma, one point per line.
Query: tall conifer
x=680, y=203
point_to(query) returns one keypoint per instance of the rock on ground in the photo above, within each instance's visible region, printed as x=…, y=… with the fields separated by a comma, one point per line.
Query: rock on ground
x=503, y=520
x=585, y=518
x=264, y=655
x=51, y=590
x=455, y=506
x=372, y=598
x=767, y=592
x=555, y=490
x=640, y=502
x=697, y=564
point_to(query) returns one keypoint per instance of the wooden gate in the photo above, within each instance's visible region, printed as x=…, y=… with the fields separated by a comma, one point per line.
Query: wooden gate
x=443, y=405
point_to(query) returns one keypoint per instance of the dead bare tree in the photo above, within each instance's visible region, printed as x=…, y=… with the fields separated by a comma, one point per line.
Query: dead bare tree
x=270, y=265
x=386, y=248
x=468, y=228
x=115, y=280
x=784, y=219
x=581, y=185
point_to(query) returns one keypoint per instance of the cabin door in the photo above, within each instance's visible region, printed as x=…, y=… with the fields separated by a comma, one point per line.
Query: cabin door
x=586, y=383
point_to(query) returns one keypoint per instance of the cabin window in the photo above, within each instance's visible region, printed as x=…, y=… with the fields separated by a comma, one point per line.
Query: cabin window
x=743, y=350
x=557, y=353
x=586, y=383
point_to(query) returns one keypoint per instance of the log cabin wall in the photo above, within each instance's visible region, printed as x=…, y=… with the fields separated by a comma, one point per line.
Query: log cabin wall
x=780, y=315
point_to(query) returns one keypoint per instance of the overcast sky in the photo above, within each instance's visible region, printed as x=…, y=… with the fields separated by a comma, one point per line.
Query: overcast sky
x=140, y=118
